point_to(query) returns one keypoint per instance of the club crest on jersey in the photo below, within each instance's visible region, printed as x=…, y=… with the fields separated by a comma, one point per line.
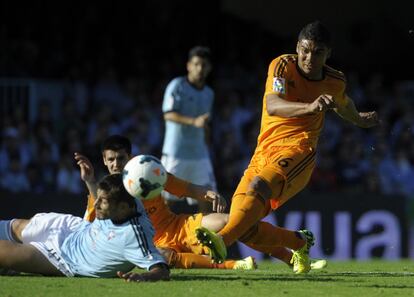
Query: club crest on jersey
x=279, y=85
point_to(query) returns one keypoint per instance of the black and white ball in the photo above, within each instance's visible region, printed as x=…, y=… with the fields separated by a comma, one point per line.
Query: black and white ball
x=144, y=177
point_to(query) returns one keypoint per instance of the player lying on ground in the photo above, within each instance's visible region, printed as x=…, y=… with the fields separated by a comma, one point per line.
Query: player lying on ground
x=119, y=239
x=174, y=234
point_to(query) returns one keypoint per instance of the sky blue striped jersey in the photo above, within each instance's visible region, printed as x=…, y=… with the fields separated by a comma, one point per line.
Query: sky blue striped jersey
x=101, y=248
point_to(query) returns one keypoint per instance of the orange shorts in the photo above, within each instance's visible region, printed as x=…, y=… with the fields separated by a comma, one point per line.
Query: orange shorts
x=179, y=235
x=293, y=163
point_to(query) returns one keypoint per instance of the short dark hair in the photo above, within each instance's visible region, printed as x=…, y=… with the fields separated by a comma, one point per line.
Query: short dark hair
x=316, y=31
x=200, y=51
x=113, y=186
x=116, y=143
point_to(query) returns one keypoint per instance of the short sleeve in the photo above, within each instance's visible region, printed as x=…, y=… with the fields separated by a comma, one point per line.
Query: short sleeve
x=338, y=80
x=276, y=77
x=171, y=101
x=342, y=99
x=175, y=185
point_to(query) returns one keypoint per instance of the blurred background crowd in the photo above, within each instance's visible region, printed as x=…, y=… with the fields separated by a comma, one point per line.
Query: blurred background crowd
x=104, y=71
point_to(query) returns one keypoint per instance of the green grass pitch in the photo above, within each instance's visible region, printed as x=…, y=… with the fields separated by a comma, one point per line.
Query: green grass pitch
x=356, y=279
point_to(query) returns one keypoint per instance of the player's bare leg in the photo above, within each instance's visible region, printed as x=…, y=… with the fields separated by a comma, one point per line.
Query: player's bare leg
x=17, y=227
x=25, y=258
x=214, y=221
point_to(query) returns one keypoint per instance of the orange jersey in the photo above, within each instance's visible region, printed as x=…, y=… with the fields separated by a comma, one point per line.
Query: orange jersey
x=284, y=79
x=160, y=214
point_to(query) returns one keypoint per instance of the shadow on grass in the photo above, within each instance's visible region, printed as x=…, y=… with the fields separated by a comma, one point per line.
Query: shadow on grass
x=370, y=274
x=389, y=286
x=312, y=277
x=251, y=277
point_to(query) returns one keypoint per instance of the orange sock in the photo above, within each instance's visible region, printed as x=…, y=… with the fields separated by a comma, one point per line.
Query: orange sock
x=283, y=254
x=188, y=260
x=265, y=236
x=245, y=212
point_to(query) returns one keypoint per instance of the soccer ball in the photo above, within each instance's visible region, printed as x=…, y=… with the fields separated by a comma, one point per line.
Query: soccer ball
x=144, y=177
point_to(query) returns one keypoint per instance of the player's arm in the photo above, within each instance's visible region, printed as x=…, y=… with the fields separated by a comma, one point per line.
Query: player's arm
x=278, y=103
x=88, y=176
x=157, y=272
x=182, y=188
x=172, y=107
x=199, y=122
x=87, y=173
x=277, y=106
x=351, y=114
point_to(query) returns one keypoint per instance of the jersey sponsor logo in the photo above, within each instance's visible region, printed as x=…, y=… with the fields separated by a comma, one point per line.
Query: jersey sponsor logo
x=111, y=235
x=279, y=85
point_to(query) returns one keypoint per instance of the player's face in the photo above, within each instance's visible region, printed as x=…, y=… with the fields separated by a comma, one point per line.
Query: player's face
x=115, y=161
x=108, y=209
x=312, y=57
x=103, y=206
x=198, y=69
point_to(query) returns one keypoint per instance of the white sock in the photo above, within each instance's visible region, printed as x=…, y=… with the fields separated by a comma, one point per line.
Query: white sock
x=5, y=230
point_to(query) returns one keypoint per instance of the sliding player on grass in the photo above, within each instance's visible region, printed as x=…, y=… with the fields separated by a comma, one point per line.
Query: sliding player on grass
x=174, y=234
x=119, y=239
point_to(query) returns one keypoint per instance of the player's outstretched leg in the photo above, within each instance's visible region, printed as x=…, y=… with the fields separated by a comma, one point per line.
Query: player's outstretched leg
x=247, y=263
x=300, y=258
x=213, y=242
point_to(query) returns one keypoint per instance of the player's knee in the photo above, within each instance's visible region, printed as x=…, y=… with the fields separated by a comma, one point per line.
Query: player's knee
x=268, y=188
x=222, y=221
x=224, y=218
x=11, y=230
x=17, y=228
x=260, y=188
x=214, y=221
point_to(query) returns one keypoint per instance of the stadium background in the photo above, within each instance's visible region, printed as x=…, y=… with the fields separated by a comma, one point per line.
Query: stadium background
x=71, y=73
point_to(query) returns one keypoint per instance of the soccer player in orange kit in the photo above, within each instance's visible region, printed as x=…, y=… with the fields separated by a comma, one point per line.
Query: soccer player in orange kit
x=300, y=89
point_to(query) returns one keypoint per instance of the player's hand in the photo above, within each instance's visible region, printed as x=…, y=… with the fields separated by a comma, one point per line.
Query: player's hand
x=322, y=103
x=135, y=277
x=131, y=276
x=153, y=275
x=219, y=203
x=86, y=168
x=368, y=119
x=201, y=121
